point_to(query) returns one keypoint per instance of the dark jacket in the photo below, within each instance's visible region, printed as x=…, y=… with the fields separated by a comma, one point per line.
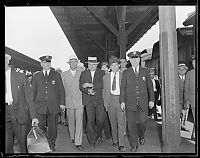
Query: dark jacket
x=98, y=86
x=48, y=93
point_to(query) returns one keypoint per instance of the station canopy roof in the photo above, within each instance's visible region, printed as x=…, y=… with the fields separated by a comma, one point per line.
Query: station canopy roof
x=87, y=27
x=22, y=61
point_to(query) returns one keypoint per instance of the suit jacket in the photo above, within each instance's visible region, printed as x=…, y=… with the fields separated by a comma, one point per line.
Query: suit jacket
x=107, y=88
x=190, y=87
x=98, y=86
x=48, y=93
x=22, y=97
x=73, y=97
x=128, y=89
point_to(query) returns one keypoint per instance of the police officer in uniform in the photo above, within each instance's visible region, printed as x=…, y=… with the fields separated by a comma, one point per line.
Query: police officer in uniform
x=49, y=98
x=136, y=94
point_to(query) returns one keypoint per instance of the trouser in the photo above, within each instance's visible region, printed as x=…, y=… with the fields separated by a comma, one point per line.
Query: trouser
x=75, y=120
x=52, y=123
x=136, y=125
x=117, y=120
x=84, y=119
x=95, y=118
x=12, y=127
x=107, y=126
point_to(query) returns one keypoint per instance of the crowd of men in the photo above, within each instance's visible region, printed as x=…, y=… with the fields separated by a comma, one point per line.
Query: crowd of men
x=113, y=99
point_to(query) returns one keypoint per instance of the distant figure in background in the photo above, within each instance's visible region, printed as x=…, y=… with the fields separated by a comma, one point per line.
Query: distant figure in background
x=30, y=78
x=80, y=66
x=190, y=93
x=62, y=119
x=73, y=102
x=123, y=64
x=19, y=108
x=157, y=93
x=106, y=124
x=182, y=68
x=91, y=85
x=111, y=92
x=49, y=98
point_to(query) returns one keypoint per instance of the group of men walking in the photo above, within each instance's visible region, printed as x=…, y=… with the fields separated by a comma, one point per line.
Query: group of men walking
x=123, y=96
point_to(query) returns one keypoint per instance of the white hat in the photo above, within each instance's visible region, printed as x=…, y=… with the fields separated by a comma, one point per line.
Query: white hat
x=72, y=57
x=182, y=65
x=92, y=60
x=7, y=56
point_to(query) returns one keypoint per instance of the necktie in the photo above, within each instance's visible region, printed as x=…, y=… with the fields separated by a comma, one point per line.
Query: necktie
x=46, y=75
x=114, y=83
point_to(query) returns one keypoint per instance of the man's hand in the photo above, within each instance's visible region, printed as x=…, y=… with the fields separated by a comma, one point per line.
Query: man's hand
x=122, y=106
x=151, y=104
x=34, y=122
x=91, y=91
x=85, y=85
x=62, y=107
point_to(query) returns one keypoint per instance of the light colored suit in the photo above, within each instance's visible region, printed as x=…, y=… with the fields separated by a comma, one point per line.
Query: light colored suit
x=73, y=103
x=112, y=105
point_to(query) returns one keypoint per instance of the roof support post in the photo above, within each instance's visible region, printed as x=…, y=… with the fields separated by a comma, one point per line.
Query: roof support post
x=169, y=75
x=122, y=37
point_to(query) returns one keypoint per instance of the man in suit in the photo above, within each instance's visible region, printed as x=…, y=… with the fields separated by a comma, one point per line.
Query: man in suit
x=73, y=102
x=91, y=85
x=136, y=93
x=157, y=93
x=19, y=108
x=49, y=98
x=111, y=92
x=182, y=68
x=190, y=92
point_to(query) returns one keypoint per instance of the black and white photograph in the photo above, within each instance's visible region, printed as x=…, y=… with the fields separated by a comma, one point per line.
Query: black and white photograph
x=97, y=79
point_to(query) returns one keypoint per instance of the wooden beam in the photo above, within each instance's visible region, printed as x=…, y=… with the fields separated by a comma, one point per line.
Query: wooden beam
x=169, y=76
x=122, y=38
x=104, y=21
x=139, y=20
x=95, y=41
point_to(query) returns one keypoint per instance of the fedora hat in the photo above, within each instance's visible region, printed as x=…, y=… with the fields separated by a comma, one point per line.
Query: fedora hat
x=92, y=60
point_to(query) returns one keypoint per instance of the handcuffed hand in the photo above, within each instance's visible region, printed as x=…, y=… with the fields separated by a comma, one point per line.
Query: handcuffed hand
x=122, y=106
x=34, y=122
x=62, y=107
x=85, y=85
x=91, y=91
x=151, y=104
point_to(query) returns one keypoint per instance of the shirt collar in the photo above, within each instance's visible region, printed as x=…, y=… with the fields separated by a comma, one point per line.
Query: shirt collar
x=47, y=71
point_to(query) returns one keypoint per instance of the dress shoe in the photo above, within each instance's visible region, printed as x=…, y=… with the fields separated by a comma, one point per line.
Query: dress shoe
x=53, y=149
x=141, y=141
x=134, y=149
x=115, y=144
x=71, y=140
x=122, y=148
x=79, y=147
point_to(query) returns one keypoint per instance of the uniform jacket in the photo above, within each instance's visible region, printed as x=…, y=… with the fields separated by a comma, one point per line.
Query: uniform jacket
x=48, y=93
x=190, y=87
x=98, y=86
x=107, y=88
x=73, y=97
x=22, y=98
x=128, y=89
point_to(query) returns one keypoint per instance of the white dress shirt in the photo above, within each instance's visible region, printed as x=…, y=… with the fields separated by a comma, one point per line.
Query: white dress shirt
x=92, y=74
x=48, y=71
x=154, y=84
x=117, y=90
x=73, y=72
x=137, y=68
x=182, y=77
x=9, y=98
